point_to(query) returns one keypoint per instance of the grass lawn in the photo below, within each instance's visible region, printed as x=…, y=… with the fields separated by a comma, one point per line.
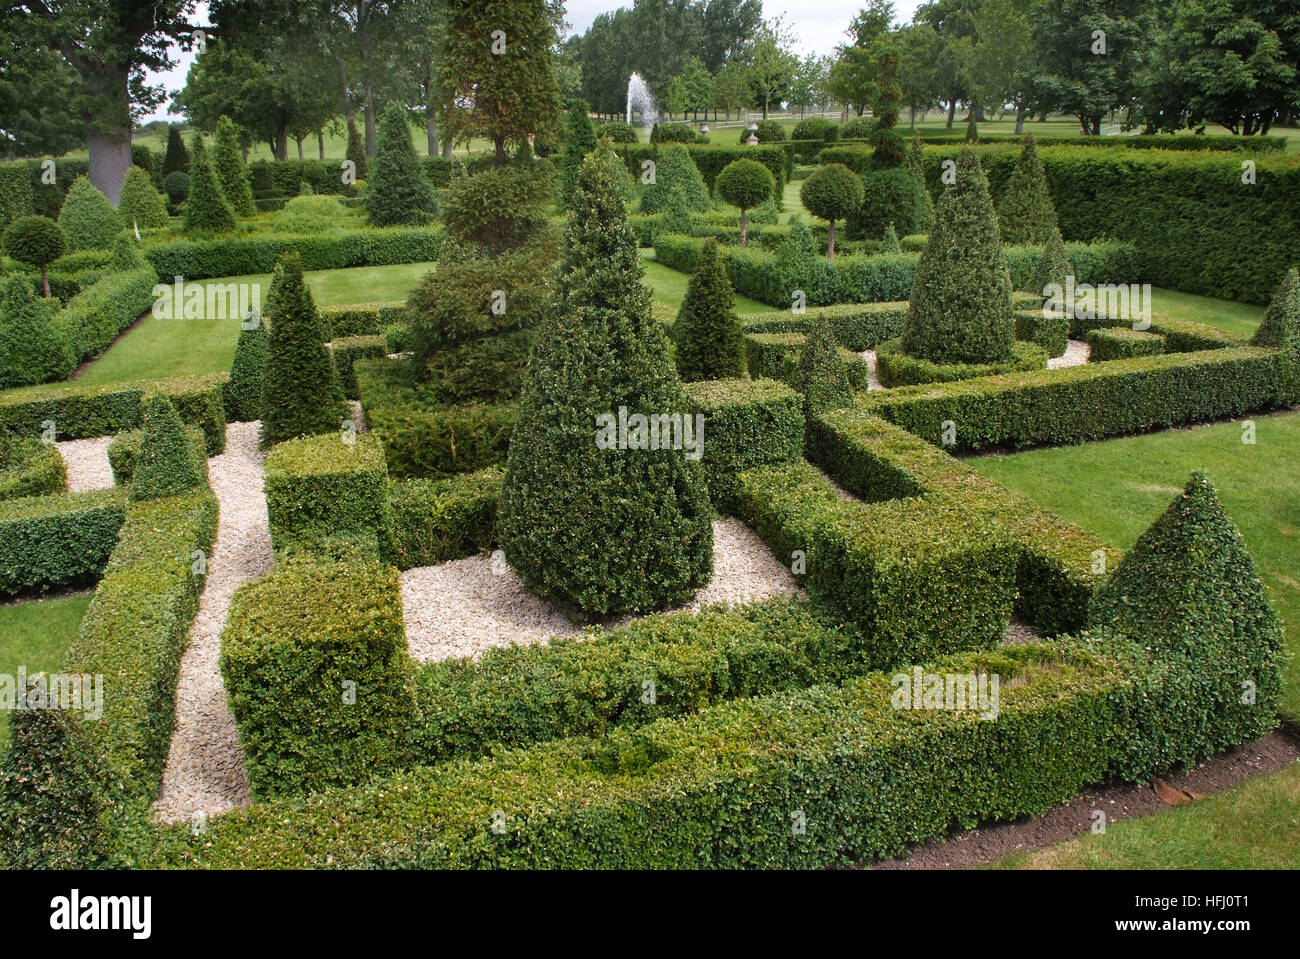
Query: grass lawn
x=159, y=348
x=1252, y=826
x=669, y=286
x=35, y=634
x=1117, y=488
x=1223, y=314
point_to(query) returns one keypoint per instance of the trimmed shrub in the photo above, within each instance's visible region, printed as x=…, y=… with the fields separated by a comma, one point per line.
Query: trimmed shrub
x=176, y=158
x=565, y=499
x=822, y=373
x=436, y=520
x=1120, y=343
x=616, y=132
x=166, y=465
x=896, y=368
x=1053, y=268
x=232, y=173
x=579, y=140
x=30, y=467
x=972, y=129
x=300, y=389
x=960, y=309
x=242, y=393
x=37, y=241
x=346, y=350
x=676, y=179
x=206, y=208
x=779, y=356
x=356, y=151
x=767, y=131
x=33, y=349
x=888, y=196
x=311, y=214
x=177, y=187
x=673, y=133
x=816, y=128
x=856, y=327
x=48, y=542
x=125, y=254
x=1280, y=327
x=17, y=198
x=314, y=660
x=1050, y=332
x=833, y=192
x=915, y=166
x=707, y=335
x=890, y=242
x=124, y=453
x=87, y=218
x=501, y=208
x=746, y=184
x=397, y=192
x=1026, y=215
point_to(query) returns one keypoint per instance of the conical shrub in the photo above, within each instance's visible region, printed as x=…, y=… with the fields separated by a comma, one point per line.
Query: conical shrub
x=591, y=516
x=890, y=243
x=924, y=207
x=242, y=393
x=1053, y=267
x=710, y=344
x=1281, y=325
x=32, y=348
x=126, y=254
x=961, y=311
x=398, y=190
x=140, y=204
x=580, y=139
x=795, y=257
x=676, y=176
x=177, y=157
x=206, y=209
x=166, y=466
x=356, y=151
x=822, y=372
x=88, y=218
x=232, y=174
x=1026, y=214
x=676, y=218
x=1189, y=600
x=300, y=388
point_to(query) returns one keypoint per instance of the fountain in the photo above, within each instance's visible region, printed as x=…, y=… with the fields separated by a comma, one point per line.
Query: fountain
x=639, y=98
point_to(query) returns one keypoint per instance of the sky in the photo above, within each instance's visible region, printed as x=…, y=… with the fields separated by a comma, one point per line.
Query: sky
x=819, y=26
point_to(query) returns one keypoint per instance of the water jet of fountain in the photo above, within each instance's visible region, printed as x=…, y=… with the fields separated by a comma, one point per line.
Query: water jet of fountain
x=639, y=98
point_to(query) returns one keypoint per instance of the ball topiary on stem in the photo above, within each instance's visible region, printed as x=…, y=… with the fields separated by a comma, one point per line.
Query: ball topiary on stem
x=500, y=208
x=232, y=174
x=166, y=466
x=961, y=310
x=140, y=204
x=206, y=210
x=589, y=518
x=1026, y=213
x=397, y=191
x=746, y=184
x=833, y=192
x=37, y=241
x=88, y=219
x=676, y=177
x=710, y=343
x=32, y=348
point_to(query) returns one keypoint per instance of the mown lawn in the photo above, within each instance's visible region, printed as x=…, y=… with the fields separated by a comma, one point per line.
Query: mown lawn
x=669, y=286
x=35, y=634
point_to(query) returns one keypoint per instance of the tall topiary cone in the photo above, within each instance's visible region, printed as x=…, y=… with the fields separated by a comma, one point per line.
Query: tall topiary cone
x=677, y=178
x=606, y=530
x=300, y=388
x=924, y=202
x=176, y=157
x=960, y=311
x=206, y=208
x=579, y=140
x=1053, y=267
x=139, y=204
x=399, y=192
x=822, y=372
x=231, y=171
x=1026, y=214
x=242, y=393
x=167, y=464
x=1189, y=600
x=1281, y=326
x=710, y=343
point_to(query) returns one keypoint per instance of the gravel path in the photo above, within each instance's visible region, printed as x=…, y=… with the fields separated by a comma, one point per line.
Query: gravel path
x=464, y=606
x=1076, y=354
x=873, y=380
x=87, y=463
x=205, y=767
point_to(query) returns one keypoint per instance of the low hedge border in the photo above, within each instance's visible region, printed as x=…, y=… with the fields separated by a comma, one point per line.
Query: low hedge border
x=362, y=319
x=47, y=542
x=776, y=356
x=124, y=453
x=855, y=326
x=436, y=520
x=896, y=368
x=347, y=350
x=81, y=412
x=30, y=467
x=1052, y=333
x=95, y=316
x=1122, y=343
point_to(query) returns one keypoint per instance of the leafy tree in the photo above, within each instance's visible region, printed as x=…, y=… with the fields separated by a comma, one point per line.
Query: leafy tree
x=500, y=208
x=832, y=193
x=176, y=157
x=746, y=184
x=32, y=348
x=960, y=309
x=822, y=372
x=207, y=209
x=710, y=343
x=771, y=64
x=1071, y=77
x=731, y=87
x=38, y=94
x=300, y=388
x=37, y=241
x=1026, y=214
x=166, y=466
x=676, y=176
x=88, y=218
x=141, y=204
x=567, y=503
x=231, y=172
x=399, y=192
x=919, y=50
x=1001, y=60
x=579, y=141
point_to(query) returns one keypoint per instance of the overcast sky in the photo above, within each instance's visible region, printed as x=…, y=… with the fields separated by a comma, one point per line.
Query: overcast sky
x=818, y=24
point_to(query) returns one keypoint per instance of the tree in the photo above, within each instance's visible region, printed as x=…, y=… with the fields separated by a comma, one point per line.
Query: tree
x=924, y=208
x=166, y=466
x=1001, y=60
x=822, y=373
x=809, y=86
x=771, y=64
x=580, y=140
x=1053, y=267
x=573, y=487
x=746, y=184
x=953, y=22
x=890, y=243
x=710, y=343
x=731, y=88
x=242, y=393
x=32, y=348
x=231, y=172
x=726, y=26
x=676, y=176
x=919, y=50
x=356, y=151
x=501, y=208
x=37, y=241
x=515, y=92
x=176, y=157
x=833, y=192
x=399, y=192
x=1026, y=213
x=38, y=94
x=300, y=388
x=206, y=209
x=141, y=205
x=960, y=309
x=88, y=218
x=852, y=78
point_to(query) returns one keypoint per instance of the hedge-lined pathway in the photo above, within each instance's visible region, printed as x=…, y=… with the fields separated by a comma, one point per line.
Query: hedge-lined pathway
x=205, y=766
x=87, y=463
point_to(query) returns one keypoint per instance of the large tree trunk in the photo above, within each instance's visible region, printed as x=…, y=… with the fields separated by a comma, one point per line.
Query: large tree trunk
x=107, y=140
x=282, y=142
x=446, y=147
x=952, y=111
x=370, y=119
x=299, y=140
x=1020, y=118
x=320, y=143
x=110, y=158
x=431, y=130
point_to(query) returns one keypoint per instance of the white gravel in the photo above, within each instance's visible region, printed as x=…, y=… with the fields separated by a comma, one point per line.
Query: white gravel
x=462, y=607
x=1076, y=354
x=205, y=766
x=87, y=463
x=1018, y=633
x=873, y=380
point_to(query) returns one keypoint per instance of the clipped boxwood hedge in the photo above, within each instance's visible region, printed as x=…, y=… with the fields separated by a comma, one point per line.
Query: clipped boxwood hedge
x=856, y=326
x=1050, y=332
x=896, y=368
x=30, y=467
x=124, y=453
x=51, y=541
x=347, y=350
x=435, y=520
x=362, y=319
x=1121, y=343
x=94, y=317
x=776, y=356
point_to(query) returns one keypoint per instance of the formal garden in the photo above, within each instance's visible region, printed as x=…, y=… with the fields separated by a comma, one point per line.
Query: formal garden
x=609, y=490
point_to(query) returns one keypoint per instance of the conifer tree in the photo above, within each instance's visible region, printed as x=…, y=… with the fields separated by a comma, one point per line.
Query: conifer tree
x=356, y=151
x=580, y=139
x=232, y=174
x=890, y=243
x=206, y=208
x=176, y=157
x=32, y=348
x=242, y=393
x=710, y=343
x=398, y=192
x=167, y=464
x=677, y=179
x=1026, y=213
x=1053, y=266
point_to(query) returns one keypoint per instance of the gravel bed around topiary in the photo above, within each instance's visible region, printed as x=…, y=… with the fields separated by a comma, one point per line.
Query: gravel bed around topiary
x=87, y=463
x=1076, y=354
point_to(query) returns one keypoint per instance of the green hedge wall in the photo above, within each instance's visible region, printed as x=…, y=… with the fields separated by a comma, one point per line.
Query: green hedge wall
x=51, y=541
x=30, y=467
x=318, y=677
x=896, y=368
x=776, y=356
x=856, y=326
x=347, y=350
x=1052, y=333
x=1122, y=343
x=284, y=177
x=94, y=317
x=435, y=520
x=711, y=158
x=363, y=319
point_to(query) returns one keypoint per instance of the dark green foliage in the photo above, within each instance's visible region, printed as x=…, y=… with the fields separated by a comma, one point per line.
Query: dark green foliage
x=746, y=184
x=88, y=218
x=579, y=140
x=37, y=241
x=924, y=215
x=346, y=350
x=890, y=242
x=33, y=349
x=436, y=520
x=677, y=179
x=832, y=193
x=1053, y=266
x=672, y=133
x=897, y=368
x=500, y=208
x=166, y=466
x=856, y=128
x=30, y=467
x=1026, y=214
x=206, y=208
x=768, y=131
x=300, y=390
x=972, y=130
x=177, y=158
x=1189, y=598
x=676, y=218
x=177, y=185
x=825, y=380
x=796, y=255
x=888, y=147
x=140, y=205
x=816, y=128
x=95, y=316
x=47, y=542
x=16, y=195
x=889, y=196
x=1281, y=325
x=397, y=190
x=566, y=502
x=709, y=343
x=232, y=174
x=356, y=151
x=242, y=393
x=1049, y=331
x=1119, y=343
x=617, y=132
x=126, y=254
x=960, y=309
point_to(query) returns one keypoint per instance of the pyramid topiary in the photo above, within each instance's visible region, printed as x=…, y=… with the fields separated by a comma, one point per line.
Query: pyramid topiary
x=924, y=206
x=676, y=178
x=398, y=192
x=88, y=218
x=1026, y=214
x=232, y=174
x=206, y=210
x=1053, y=266
x=300, y=388
x=888, y=196
x=590, y=515
x=795, y=256
x=822, y=372
x=242, y=393
x=890, y=244
x=1281, y=326
x=126, y=254
x=140, y=204
x=176, y=157
x=960, y=310
x=166, y=466
x=1189, y=599
x=356, y=151
x=579, y=140
x=32, y=348
x=676, y=217
x=710, y=343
